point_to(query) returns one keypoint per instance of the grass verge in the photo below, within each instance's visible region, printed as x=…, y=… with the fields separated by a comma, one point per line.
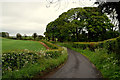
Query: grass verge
x=108, y=64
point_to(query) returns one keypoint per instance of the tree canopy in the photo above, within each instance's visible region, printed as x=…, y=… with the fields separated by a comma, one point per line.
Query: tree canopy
x=4, y=34
x=34, y=35
x=111, y=8
x=18, y=36
x=81, y=24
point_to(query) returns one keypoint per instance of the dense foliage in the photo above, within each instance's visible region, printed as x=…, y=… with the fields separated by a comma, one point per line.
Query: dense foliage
x=15, y=60
x=111, y=8
x=28, y=64
x=112, y=45
x=104, y=54
x=52, y=46
x=81, y=24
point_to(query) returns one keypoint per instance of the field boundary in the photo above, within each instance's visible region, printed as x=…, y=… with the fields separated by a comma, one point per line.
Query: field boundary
x=44, y=45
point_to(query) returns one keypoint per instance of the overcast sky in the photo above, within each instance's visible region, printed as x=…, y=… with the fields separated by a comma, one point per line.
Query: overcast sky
x=32, y=17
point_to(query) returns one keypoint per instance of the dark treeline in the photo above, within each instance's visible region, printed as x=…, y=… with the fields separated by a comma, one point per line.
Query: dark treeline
x=18, y=36
x=81, y=24
x=35, y=36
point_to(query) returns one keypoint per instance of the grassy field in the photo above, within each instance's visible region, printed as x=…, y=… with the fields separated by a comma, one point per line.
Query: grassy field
x=19, y=63
x=10, y=45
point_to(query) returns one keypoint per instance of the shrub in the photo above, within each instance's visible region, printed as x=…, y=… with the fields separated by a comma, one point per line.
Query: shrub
x=52, y=46
x=15, y=60
x=80, y=45
x=52, y=54
x=92, y=46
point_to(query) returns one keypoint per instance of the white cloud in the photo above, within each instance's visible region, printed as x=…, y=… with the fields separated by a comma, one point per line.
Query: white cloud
x=30, y=17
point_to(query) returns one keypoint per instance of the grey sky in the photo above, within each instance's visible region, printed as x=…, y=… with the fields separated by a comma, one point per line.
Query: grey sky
x=29, y=17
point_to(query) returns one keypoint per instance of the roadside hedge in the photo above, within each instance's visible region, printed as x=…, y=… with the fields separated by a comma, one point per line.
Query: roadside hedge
x=112, y=45
x=52, y=46
x=54, y=51
x=105, y=55
x=15, y=60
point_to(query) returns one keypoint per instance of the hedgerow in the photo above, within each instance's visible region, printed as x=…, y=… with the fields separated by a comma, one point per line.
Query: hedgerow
x=112, y=45
x=15, y=60
x=17, y=64
x=52, y=46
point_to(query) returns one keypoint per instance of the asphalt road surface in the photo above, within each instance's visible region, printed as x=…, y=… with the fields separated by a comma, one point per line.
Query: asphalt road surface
x=77, y=66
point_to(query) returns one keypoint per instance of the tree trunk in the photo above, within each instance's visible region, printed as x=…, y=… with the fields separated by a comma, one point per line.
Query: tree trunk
x=77, y=33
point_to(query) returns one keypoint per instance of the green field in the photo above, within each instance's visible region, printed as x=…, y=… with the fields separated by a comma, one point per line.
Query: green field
x=10, y=45
x=26, y=64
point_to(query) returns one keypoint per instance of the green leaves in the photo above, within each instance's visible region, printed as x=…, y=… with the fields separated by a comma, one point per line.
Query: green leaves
x=16, y=60
x=78, y=22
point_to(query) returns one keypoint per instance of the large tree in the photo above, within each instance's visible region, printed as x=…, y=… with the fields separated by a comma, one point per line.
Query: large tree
x=18, y=36
x=112, y=8
x=4, y=34
x=80, y=24
x=34, y=35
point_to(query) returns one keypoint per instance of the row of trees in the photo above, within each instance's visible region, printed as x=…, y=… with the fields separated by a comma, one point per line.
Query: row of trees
x=111, y=7
x=4, y=34
x=34, y=36
x=81, y=24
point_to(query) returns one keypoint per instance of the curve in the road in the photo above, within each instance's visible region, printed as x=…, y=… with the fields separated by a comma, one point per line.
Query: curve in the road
x=77, y=66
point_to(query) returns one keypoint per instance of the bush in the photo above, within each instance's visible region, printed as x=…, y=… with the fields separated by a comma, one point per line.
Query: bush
x=112, y=45
x=12, y=38
x=28, y=38
x=80, y=45
x=52, y=54
x=52, y=46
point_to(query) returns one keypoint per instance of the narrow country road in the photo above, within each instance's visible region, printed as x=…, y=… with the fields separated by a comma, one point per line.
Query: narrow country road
x=77, y=66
